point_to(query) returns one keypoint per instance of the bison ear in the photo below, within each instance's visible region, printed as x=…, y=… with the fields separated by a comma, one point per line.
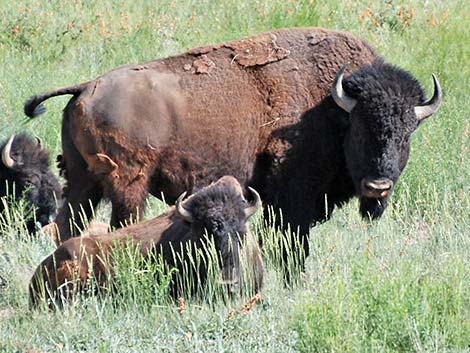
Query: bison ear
x=251, y=209
x=430, y=107
x=181, y=211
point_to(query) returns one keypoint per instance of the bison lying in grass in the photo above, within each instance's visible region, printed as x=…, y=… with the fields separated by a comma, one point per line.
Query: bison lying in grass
x=180, y=235
x=273, y=110
x=25, y=175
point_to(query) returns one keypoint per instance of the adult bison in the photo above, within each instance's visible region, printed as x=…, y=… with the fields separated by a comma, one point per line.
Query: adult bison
x=25, y=175
x=179, y=236
x=273, y=110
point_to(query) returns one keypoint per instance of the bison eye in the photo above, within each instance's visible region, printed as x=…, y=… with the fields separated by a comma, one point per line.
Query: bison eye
x=31, y=181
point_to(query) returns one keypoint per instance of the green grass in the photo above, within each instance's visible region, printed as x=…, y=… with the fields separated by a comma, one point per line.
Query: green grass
x=401, y=284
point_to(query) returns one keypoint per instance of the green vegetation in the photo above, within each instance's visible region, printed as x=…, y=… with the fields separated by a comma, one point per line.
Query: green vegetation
x=397, y=285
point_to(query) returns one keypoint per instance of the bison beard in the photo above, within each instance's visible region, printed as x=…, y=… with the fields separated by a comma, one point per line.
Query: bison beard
x=273, y=110
x=25, y=174
x=219, y=210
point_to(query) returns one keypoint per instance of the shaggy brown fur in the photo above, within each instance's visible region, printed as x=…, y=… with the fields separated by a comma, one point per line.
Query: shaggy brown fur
x=94, y=228
x=219, y=209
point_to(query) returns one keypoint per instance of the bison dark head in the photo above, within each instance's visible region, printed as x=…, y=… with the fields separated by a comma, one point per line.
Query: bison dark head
x=385, y=105
x=222, y=212
x=25, y=174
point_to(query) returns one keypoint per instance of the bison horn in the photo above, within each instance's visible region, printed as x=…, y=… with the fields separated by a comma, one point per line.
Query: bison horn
x=250, y=210
x=430, y=107
x=340, y=97
x=39, y=141
x=6, y=158
x=181, y=211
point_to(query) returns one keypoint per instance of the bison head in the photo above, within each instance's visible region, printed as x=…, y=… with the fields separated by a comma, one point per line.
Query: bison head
x=25, y=174
x=385, y=105
x=221, y=211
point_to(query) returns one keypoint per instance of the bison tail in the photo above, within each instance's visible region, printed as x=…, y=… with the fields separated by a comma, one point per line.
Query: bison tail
x=33, y=107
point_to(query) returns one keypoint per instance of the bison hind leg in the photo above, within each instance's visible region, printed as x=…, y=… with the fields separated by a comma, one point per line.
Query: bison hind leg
x=57, y=285
x=82, y=192
x=127, y=199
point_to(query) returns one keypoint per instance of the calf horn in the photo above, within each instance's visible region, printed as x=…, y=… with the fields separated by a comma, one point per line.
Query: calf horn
x=7, y=160
x=250, y=210
x=430, y=107
x=181, y=211
x=340, y=97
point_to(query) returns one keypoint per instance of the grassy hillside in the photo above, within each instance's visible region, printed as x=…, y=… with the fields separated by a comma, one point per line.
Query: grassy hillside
x=397, y=285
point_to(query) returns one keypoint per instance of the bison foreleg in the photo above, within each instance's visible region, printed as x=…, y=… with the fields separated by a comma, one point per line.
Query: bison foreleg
x=291, y=243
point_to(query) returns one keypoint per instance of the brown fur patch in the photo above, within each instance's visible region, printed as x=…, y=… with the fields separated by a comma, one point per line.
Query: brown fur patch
x=96, y=228
x=258, y=50
x=101, y=163
x=203, y=64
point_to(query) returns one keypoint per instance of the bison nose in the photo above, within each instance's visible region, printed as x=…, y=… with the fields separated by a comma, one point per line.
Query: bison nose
x=376, y=188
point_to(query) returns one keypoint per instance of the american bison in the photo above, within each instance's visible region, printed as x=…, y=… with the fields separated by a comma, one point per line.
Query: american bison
x=274, y=110
x=25, y=175
x=218, y=211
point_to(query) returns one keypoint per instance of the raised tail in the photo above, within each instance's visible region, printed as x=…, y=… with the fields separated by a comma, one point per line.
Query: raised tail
x=34, y=107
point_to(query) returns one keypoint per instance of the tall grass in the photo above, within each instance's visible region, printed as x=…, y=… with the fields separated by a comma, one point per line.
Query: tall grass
x=397, y=285
x=400, y=285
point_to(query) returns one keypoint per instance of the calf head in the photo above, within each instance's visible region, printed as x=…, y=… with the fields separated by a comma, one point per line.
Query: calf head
x=385, y=105
x=221, y=211
x=25, y=174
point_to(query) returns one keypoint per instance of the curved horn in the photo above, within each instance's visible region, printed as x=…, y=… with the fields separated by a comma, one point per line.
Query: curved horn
x=39, y=141
x=251, y=209
x=344, y=101
x=6, y=158
x=181, y=211
x=430, y=107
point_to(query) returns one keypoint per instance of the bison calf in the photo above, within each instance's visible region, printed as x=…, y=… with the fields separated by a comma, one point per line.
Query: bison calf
x=218, y=210
x=25, y=174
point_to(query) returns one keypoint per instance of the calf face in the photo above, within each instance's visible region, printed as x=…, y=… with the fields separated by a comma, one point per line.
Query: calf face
x=25, y=174
x=222, y=213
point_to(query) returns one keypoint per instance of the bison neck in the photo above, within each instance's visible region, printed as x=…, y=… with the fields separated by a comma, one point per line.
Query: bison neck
x=307, y=185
